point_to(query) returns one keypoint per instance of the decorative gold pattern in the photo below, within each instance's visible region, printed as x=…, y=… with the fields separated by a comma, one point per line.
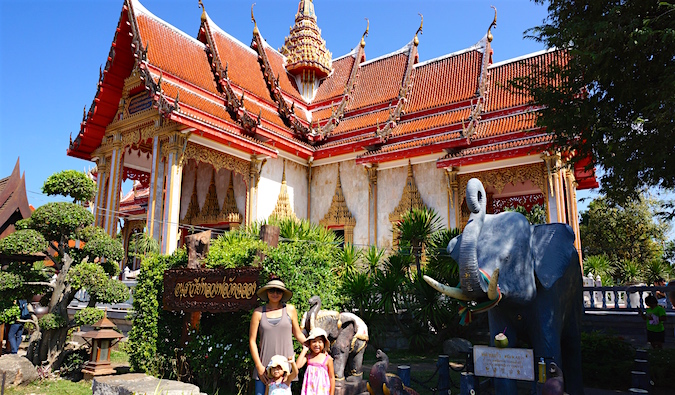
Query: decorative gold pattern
x=192, y=211
x=230, y=212
x=211, y=209
x=338, y=213
x=304, y=48
x=411, y=198
x=283, y=208
x=498, y=178
x=218, y=160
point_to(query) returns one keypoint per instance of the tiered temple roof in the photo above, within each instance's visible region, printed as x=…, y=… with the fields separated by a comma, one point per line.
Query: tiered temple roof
x=252, y=98
x=13, y=201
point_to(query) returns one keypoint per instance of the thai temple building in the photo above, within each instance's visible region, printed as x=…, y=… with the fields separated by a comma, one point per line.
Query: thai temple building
x=218, y=132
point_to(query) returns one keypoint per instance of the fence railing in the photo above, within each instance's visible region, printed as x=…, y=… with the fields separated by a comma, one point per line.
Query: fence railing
x=624, y=298
x=82, y=299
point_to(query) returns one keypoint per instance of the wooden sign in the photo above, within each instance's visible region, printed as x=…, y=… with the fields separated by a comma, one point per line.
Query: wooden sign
x=212, y=290
x=507, y=363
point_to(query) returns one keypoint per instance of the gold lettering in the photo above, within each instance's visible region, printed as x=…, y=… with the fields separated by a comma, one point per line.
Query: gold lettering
x=226, y=289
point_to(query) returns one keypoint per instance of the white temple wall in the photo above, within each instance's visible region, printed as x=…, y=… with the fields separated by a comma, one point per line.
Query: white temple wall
x=432, y=184
x=270, y=186
x=202, y=173
x=355, y=189
x=390, y=183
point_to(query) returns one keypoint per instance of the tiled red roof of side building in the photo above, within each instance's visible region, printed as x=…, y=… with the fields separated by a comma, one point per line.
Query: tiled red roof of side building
x=191, y=64
x=361, y=121
x=415, y=143
x=286, y=81
x=379, y=81
x=338, y=142
x=502, y=146
x=431, y=122
x=320, y=115
x=334, y=85
x=243, y=68
x=503, y=125
x=501, y=94
x=445, y=81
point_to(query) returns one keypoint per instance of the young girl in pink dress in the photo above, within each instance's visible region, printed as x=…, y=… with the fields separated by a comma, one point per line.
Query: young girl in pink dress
x=320, y=375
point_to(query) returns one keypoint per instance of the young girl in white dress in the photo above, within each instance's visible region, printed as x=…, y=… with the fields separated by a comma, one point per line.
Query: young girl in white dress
x=280, y=376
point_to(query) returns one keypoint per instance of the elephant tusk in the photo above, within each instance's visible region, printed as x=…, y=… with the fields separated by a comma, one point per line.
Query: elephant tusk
x=370, y=390
x=385, y=389
x=492, y=286
x=453, y=292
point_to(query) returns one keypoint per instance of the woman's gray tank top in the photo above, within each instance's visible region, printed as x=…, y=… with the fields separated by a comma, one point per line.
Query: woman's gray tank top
x=275, y=339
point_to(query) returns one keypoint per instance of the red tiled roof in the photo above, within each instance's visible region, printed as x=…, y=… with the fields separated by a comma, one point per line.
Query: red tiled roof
x=530, y=141
x=438, y=82
x=192, y=65
x=430, y=122
x=501, y=95
x=415, y=144
x=503, y=125
x=379, y=81
x=334, y=85
x=361, y=121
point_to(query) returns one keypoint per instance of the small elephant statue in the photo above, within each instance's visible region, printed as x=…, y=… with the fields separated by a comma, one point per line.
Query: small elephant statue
x=347, y=333
x=527, y=277
x=382, y=383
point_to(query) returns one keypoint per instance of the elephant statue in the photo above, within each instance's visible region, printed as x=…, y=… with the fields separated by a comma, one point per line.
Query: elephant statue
x=382, y=383
x=527, y=277
x=347, y=333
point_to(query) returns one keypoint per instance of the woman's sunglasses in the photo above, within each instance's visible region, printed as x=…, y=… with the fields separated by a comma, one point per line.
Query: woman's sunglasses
x=275, y=291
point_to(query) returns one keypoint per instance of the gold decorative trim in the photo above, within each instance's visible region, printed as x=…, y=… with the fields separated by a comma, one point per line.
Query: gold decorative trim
x=230, y=212
x=192, y=211
x=283, y=208
x=338, y=213
x=218, y=160
x=410, y=199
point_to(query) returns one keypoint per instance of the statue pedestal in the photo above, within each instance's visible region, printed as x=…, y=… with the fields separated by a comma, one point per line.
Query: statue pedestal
x=351, y=386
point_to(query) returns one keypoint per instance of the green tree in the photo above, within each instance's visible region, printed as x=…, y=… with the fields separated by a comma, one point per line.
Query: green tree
x=609, y=96
x=628, y=232
x=415, y=230
x=71, y=183
x=58, y=223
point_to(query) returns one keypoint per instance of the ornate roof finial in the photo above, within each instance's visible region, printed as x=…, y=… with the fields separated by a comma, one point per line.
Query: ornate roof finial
x=203, y=11
x=304, y=48
x=255, y=25
x=416, y=41
x=365, y=34
x=494, y=23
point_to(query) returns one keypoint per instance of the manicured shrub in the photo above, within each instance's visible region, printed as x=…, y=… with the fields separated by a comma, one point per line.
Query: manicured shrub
x=88, y=316
x=606, y=360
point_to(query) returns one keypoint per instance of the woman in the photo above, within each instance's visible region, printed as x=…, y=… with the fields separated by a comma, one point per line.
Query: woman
x=276, y=322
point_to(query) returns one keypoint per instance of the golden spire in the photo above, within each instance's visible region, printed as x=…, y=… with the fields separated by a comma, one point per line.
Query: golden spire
x=416, y=41
x=255, y=25
x=365, y=34
x=494, y=23
x=203, y=11
x=304, y=48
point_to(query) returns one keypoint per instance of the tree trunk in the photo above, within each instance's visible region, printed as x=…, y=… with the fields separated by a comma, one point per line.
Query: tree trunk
x=52, y=344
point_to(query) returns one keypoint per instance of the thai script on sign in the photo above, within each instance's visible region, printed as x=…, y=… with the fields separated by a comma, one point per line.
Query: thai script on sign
x=508, y=363
x=226, y=289
x=213, y=290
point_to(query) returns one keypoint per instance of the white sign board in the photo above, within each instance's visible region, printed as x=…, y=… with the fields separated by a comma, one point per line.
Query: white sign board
x=506, y=363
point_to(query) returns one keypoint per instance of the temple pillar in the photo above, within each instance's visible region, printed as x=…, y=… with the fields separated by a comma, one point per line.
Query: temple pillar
x=572, y=212
x=453, y=194
x=309, y=189
x=173, y=181
x=156, y=192
x=114, y=184
x=253, y=177
x=100, y=198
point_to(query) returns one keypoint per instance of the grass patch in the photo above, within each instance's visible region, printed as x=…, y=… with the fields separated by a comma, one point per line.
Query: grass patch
x=52, y=387
x=119, y=357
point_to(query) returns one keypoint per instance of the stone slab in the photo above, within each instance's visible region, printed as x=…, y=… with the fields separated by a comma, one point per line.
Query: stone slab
x=140, y=384
x=18, y=370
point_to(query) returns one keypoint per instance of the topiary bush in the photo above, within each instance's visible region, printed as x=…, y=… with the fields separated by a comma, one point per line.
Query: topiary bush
x=234, y=249
x=51, y=321
x=10, y=314
x=606, y=360
x=26, y=241
x=88, y=316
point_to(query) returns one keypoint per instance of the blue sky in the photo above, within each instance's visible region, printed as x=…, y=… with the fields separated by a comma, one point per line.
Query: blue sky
x=50, y=53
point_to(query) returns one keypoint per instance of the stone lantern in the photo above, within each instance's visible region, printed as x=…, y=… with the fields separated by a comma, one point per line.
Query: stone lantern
x=103, y=337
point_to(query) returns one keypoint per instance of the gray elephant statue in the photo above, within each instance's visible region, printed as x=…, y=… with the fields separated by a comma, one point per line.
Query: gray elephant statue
x=527, y=277
x=348, y=336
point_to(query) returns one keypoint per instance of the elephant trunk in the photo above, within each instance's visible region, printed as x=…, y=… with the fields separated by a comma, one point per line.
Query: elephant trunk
x=314, y=307
x=468, y=254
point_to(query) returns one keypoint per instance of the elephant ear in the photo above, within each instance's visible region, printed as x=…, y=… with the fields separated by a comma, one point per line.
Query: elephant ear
x=552, y=247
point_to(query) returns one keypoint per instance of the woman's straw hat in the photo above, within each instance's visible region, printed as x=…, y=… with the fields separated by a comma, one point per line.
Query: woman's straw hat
x=278, y=360
x=278, y=284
